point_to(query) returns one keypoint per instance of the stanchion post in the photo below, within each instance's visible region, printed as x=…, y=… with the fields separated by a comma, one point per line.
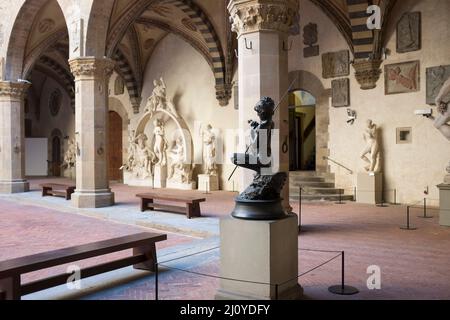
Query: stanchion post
x=340, y=197
x=354, y=194
x=342, y=289
x=408, y=227
x=156, y=282
x=425, y=216
x=300, y=209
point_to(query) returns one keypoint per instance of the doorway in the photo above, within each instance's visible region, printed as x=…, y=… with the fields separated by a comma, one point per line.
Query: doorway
x=302, y=131
x=56, y=156
x=115, y=146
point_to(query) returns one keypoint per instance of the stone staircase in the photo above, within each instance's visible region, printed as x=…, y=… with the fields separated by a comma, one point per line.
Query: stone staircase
x=317, y=187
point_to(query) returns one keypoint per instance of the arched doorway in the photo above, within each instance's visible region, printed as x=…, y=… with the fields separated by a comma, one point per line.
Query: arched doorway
x=56, y=156
x=302, y=131
x=115, y=146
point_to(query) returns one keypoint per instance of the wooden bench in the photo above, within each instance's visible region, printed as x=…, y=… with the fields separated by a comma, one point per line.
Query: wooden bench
x=191, y=208
x=57, y=190
x=143, y=258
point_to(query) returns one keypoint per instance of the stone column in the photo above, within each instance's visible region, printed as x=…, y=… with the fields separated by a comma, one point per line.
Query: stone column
x=91, y=131
x=263, y=28
x=12, y=137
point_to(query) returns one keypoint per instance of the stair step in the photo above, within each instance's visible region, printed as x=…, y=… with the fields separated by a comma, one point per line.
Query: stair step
x=311, y=191
x=307, y=179
x=294, y=185
x=322, y=197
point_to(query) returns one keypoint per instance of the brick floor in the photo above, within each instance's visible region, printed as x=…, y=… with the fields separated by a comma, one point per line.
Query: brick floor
x=414, y=264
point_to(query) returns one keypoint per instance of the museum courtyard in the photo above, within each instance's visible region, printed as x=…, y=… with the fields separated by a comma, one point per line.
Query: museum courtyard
x=225, y=150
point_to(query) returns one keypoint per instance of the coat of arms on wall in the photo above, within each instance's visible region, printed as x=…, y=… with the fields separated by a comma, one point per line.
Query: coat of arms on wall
x=336, y=64
x=402, y=77
x=54, y=102
x=340, y=95
x=409, y=32
x=436, y=76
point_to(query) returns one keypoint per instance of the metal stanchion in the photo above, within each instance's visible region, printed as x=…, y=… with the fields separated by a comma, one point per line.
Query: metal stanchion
x=340, y=197
x=383, y=202
x=354, y=194
x=407, y=227
x=300, y=210
x=156, y=282
x=425, y=210
x=342, y=289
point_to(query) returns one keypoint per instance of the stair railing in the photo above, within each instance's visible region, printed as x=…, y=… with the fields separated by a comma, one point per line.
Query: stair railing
x=337, y=163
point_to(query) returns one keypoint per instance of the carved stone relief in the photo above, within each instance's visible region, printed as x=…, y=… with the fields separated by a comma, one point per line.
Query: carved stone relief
x=310, y=39
x=340, y=92
x=402, y=77
x=54, y=103
x=409, y=32
x=119, y=86
x=436, y=77
x=46, y=25
x=336, y=64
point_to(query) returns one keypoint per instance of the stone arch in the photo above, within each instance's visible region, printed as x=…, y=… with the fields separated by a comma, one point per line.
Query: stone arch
x=307, y=81
x=22, y=27
x=117, y=106
x=97, y=28
x=181, y=126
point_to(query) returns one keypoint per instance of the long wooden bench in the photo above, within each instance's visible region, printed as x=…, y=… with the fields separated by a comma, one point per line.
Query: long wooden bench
x=57, y=190
x=191, y=208
x=143, y=258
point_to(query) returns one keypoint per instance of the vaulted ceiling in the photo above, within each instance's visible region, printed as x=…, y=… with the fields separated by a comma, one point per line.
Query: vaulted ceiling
x=137, y=26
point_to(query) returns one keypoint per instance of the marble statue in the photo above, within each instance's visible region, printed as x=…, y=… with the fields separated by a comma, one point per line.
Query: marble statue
x=160, y=144
x=131, y=158
x=141, y=159
x=441, y=122
x=371, y=153
x=70, y=156
x=209, y=151
x=447, y=177
x=158, y=100
x=179, y=171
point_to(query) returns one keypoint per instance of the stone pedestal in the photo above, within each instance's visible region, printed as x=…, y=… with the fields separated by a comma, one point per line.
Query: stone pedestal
x=91, y=131
x=259, y=251
x=160, y=176
x=208, y=183
x=130, y=179
x=369, y=188
x=444, y=204
x=12, y=141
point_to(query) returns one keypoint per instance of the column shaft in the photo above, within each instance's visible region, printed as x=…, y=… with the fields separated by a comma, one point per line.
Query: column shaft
x=12, y=138
x=91, y=131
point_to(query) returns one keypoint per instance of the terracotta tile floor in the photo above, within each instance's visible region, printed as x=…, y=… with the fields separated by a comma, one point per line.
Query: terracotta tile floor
x=414, y=264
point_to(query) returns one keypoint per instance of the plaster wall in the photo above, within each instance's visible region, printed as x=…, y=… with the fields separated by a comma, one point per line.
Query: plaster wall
x=408, y=168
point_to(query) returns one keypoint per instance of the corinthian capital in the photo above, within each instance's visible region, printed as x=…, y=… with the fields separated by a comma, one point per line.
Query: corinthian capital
x=92, y=67
x=13, y=90
x=249, y=16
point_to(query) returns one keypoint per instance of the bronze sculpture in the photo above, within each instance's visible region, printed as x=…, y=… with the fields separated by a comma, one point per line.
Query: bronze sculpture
x=261, y=200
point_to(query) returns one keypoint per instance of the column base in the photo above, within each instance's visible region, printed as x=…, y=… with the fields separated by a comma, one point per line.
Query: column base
x=15, y=186
x=259, y=251
x=96, y=199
